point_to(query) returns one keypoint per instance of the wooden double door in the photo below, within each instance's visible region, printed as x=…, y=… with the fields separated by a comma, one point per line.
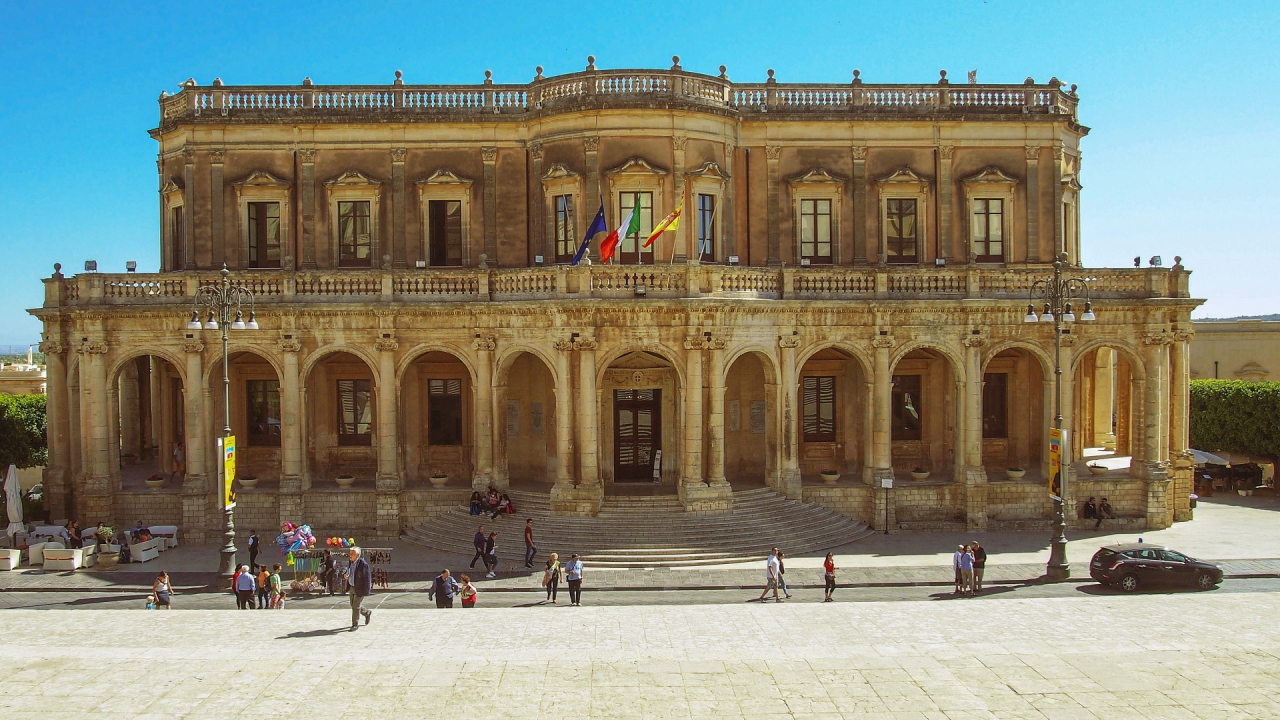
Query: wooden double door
x=637, y=434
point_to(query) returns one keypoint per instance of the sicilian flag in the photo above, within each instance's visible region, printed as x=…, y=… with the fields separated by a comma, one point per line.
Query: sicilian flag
x=630, y=225
x=670, y=222
x=597, y=226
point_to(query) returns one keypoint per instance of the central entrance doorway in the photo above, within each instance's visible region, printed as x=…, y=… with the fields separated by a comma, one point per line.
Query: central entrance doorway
x=637, y=434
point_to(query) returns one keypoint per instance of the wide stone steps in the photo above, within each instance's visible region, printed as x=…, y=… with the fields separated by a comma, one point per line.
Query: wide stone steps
x=649, y=531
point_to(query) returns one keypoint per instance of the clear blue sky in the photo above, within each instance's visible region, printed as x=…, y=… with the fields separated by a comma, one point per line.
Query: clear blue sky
x=1182, y=98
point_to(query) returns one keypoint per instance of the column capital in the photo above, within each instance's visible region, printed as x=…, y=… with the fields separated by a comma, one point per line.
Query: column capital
x=974, y=341
x=1156, y=339
x=1033, y=152
x=52, y=347
x=217, y=157
x=489, y=153
x=195, y=347
x=695, y=342
x=789, y=341
x=1183, y=336
x=535, y=151
x=290, y=345
x=189, y=154
x=883, y=341
x=679, y=141
x=93, y=347
x=398, y=154
x=485, y=344
x=859, y=152
x=772, y=152
x=387, y=344
x=307, y=155
x=591, y=143
x=946, y=151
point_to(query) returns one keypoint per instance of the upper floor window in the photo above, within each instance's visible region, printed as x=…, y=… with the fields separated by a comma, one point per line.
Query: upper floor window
x=355, y=243
x=900, y=230
x=178, y=235
x=995, y=405
x=262, y=404
x=444, y=411
x=906, y=407
x=988, y=229
x=444, y=232
x=264, y=235
x=815, y=231
x=630, y=251
x=566, y=245
x=706, y=227
x=818, y=401
x=355, y=412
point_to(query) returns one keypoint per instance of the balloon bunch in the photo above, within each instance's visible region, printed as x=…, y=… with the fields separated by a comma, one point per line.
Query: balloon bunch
x=295, y=537
x=340, y=542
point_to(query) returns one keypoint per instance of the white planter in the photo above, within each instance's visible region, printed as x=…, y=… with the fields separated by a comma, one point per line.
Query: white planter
x=248, y=482
x=1015, y=474
x=439, y=480
x=345, y=481
x=1097, y=470
x=155, y=484
x=920, y=475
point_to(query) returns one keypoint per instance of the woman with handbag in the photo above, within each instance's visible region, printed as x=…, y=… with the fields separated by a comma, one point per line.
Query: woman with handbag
x=551, y=577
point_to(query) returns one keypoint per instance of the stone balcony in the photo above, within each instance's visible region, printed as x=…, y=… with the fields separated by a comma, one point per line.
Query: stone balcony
x=565, y=283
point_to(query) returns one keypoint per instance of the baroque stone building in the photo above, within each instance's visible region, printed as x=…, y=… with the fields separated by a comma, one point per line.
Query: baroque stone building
x=845, y=292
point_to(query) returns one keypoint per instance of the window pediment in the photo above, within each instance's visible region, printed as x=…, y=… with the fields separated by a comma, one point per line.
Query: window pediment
x=261, y=178
x=990, y=176
x=636, y=166
x=710, y=171
x=903, y=179
x=170, y=189
x=353, y=179
x=444, y=178
x=1252, y=372
x=1071, y=184
x=817, y=176
x=559, y=172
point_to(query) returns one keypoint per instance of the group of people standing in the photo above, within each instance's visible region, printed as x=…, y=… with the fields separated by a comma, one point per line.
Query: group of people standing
x=969, y=563
x=261, y=584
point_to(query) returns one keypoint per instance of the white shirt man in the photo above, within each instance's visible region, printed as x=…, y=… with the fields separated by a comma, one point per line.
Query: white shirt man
x=772, y=572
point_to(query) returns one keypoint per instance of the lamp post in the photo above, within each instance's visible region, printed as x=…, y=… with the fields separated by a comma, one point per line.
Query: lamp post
x=1057, y=294
x=221, y=300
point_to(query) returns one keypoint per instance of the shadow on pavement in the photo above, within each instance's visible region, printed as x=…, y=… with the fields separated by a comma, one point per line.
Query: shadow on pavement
x=989, y=591
x=313, y=633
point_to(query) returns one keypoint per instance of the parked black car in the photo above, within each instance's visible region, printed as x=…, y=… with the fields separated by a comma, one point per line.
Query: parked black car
x=1133, y=565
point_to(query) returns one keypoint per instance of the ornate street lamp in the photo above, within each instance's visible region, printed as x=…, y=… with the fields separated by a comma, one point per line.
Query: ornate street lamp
x=1057, y=294
x=221, y=300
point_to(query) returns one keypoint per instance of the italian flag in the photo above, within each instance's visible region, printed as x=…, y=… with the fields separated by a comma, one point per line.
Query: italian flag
x=630, y=225
x=670, y=222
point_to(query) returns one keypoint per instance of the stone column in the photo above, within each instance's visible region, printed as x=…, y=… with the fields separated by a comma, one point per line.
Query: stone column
x=945, y=191
x=290, y=496
x=483, y=412
x=58, y=430
x=882, y=408
x=1153, y=424
x=1033, y=203
x=130, y=417
x=1179, y=440
x=157, y=408
x=564, y=416
x=684, y=240
x=692, y=391
x=715, y=417
x=113, y=432
x=216, y=193
x=308, y=158
x=859, y=204
x=588, y=420
x=387, y=485
x=195, y=484
x=489, y=155
x=772, y=154
x=398, y=207
x=1059, y=242
x=727, y=215
x=975, y=475
x=590, y=145
x=537, y=208
x=95, y=501
x=189, y=210
x=789, y=472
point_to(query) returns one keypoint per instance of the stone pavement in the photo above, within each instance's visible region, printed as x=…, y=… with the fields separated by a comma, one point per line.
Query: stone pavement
x=1156, y=656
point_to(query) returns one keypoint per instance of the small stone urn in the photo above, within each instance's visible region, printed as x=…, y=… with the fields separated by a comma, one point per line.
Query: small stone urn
x=345, y=481
x=439, y=480
x=1015, y=473
x=248, y=481
x=830, y=476
x=920, y=474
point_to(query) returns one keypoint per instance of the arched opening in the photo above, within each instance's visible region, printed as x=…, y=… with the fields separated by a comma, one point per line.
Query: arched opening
x=148, y=424
x=1105, y=401
x=1016, y=411
x=255, y=414
x=437, y=433
x=923, y=414
x=341, y=417
x=833, y=424
x=751, y=422
x=640, y=424
x=525, y=430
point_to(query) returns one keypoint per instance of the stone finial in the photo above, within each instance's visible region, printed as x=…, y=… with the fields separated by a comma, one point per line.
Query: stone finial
x=675, y=63
x=771, y=80
x=488, y=77
x=857, y=77
x=1029, y=81
x=306, y=82
x=217, y=82
x=723, y=71
x=399, y=78
x=1177, y=263
x=942, y=78
x=191, y=82
x=1055, y=82
x=57, y=270
x=539, y=76
x=591, y=63
x=164, y=94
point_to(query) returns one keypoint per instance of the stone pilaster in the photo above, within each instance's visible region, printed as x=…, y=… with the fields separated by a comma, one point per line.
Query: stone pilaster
x=1179, y=427
x=483, y=413
x=189, y=209
x=975, y=475
x=789, y=469
x=308, y=158
x=196, y=510
x=387, y=484
x=216, y=196
x=1033, y=203
x=291, y=478
x=585, y=498
x=715, y=416
x=490, y=157
x=684, y=240
x=693, y=420
x=727, y=214
x=772, y=154
x=946, y=190
x=1059, y=241
x=537, y=208
x=1154, y=354
x=590, y=147
x=881, y=409
x=58, y=429
x=398, y=207
x=564, y=416
x=859, y=204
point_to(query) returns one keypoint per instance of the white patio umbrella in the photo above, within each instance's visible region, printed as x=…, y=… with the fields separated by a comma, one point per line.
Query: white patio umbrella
x=13, y=499
x=1203, y=458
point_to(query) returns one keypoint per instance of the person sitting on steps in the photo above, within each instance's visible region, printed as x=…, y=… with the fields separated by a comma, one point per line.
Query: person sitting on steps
x=1104, y=513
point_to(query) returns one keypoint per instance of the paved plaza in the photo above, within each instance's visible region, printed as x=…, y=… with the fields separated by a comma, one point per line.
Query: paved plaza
x=1162, y=656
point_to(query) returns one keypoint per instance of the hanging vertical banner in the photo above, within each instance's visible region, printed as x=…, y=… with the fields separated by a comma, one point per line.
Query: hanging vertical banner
x=228, y=471
x=1057, y=450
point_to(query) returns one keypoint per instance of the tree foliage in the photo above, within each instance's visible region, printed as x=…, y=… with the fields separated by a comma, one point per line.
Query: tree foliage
x=1236, y=416
x=22, y=431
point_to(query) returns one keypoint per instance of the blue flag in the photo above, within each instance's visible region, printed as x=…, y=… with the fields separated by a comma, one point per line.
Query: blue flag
x=597, y=226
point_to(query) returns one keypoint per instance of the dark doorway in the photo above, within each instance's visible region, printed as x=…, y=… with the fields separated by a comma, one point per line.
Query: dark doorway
x=637, y=434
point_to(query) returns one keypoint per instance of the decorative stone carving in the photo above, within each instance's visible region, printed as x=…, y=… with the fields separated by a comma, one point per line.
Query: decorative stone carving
x=709, y=171
x=484, y=343
x=352, y=177
x=52, y=347
x=1156, y=339
x=636, y=166
x=817, y=176
x=1068, y=340
x=588, y=345
x=679, y=141
x=260, y=178
x=192, y=346
x=93, y=347
x=558, y=172
x=307, y=155
x=290, y=346
x=1032, y=151
x=946, y=152
x=398, y=154
x=565, y=345
x=718, y=343
x=1184, y=336
x=789, y=341
x=390, y=344
x=189, y=153
x=696, y=342
x=904, y=177
x=489, y=153
x=591, y=143
x=974, y=341
x=859, y=152
x=217, y=156
x=444, y=177
x=772, y=152
x=883, y=341
x=535, y=151
x=637, y=377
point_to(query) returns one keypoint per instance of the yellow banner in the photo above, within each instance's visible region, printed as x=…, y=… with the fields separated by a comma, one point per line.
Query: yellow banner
x=228, y=471
x=1057, y=450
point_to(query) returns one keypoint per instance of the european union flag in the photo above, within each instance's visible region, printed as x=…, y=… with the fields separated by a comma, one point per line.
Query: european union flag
x=597, y=226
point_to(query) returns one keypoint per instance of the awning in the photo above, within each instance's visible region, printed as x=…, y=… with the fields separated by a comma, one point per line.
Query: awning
x=1203, y=458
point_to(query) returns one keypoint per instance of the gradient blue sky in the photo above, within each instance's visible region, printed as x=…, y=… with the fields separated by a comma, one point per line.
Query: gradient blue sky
x=1182, y=99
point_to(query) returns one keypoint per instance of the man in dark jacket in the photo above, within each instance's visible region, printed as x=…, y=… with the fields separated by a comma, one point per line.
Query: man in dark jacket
x=253, y=550
x=979, y=565
x=360, y=575
x=478, y=543
x=443, y=589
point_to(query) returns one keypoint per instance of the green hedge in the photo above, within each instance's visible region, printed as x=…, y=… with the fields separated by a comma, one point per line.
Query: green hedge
x=22, y=431
x=1235, y=416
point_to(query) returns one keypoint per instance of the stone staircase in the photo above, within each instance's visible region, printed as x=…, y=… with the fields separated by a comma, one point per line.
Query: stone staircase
x=655, y=531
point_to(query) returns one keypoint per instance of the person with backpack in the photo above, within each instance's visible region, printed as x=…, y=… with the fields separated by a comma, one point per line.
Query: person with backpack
x=264, y=595
x=276, y=588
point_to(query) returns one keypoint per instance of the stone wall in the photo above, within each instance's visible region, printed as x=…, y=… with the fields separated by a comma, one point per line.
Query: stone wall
x=854, y=501
x=258, y=510
x=151, y=507
x=418, y=505
x=346, y=512
x=1018, y=500
x=923, y=501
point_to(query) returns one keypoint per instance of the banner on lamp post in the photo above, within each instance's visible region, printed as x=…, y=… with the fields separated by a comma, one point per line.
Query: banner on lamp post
x=1057, y=453
x=227, y=446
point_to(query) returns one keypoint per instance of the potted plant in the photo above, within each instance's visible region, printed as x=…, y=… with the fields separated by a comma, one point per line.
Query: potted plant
x=1097, y=469
x=249, y=481
x=439, y=479
x=345, y=481
x=1015, y=473
x=830, y=476
x=919, y=473
x=109, y=553
x=155, y=481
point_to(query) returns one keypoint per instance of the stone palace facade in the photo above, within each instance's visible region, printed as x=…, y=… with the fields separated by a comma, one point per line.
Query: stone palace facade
x=845, y=293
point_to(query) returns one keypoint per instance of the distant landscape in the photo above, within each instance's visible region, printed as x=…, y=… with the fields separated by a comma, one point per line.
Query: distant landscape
x=1273, y=316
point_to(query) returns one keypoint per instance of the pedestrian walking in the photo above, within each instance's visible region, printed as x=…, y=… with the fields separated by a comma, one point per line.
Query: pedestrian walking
x=244, y=585
x=979, y=565
x=253, y=549
x=275, y=589
x=829, y=576
x=530, y=550
x=955, y=565
x=491, y=555
x=771, y=576
x=573, y=573
x=468, y=592
x=360, y=576
x=477, y=542
x=263, y=579
x=442, y=589
x=782, y=575
x=551, y=577
x=966, y=571
x=162, y=591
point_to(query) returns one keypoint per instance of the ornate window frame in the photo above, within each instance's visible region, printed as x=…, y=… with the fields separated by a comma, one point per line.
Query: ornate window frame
x=637, y=175
x=904, y=183
x=708, y=179
x=354, y=185
x=817, y=184
x=173, y=196
x=262, y=186
x=560, y=180
x=990, y=184
x=444, y=185
x=1070, y=210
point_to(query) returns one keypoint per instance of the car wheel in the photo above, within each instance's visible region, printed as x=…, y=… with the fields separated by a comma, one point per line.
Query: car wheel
x=1129, y=583
x=1205, y=581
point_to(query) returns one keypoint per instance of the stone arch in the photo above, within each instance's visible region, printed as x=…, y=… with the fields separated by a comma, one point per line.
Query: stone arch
x=748, y=456
x=920, y=416
x=255, y=410
x=340, y=423
x=1132, y=353
x=956, y=359
x=118, y=362
x=526, y=434
x=622, y=454
x=439, y=400
x=1046, y=362
x=146, y=415
x=845, y=443
x=1016, y=374
x=855, y=352
x=213, y=365
x=417, y=351
x=768, y=359
x=510, y=353
x=323, y=352
x=1105, y=405
x=674, y=358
